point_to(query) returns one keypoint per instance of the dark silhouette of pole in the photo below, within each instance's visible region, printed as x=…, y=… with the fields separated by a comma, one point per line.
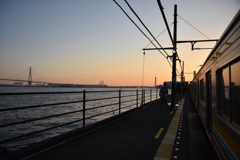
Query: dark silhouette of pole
x=182, y=78
x=174, y=58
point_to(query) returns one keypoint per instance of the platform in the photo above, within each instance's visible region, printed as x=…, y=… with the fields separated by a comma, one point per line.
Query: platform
x=149, y=133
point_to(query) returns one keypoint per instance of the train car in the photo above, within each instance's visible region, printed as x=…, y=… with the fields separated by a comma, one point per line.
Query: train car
x=215, y=92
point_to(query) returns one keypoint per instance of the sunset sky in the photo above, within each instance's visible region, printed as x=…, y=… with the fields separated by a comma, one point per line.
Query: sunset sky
x=84, y=42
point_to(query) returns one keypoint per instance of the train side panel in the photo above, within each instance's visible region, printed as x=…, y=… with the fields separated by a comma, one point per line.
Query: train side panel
x=215, y=92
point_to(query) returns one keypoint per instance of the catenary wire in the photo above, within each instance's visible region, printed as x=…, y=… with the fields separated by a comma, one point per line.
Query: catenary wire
x=193, y=27
x=156, y=38
x=148, y=31
x=145, y=26
x=138, y=27
x=158, y=35
x=144, y=33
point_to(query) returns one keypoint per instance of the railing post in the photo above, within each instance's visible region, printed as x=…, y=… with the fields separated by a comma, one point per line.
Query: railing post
x=150, y=95
x=156, y=93
x=137, y=98
x=119, y=101
x=84, y=105
x=144, y=96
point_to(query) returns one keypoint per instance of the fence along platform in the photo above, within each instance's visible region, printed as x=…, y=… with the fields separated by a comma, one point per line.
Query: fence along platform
x=91, y=106
x=149, y=133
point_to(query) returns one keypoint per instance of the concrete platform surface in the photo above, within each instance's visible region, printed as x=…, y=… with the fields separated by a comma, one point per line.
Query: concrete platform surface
x=150, y=133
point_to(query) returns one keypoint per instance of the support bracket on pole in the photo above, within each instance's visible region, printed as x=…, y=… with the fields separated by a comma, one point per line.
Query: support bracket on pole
x=193, y=42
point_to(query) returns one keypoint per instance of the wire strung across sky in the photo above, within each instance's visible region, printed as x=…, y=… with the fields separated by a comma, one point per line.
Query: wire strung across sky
x=145, y=26
x=151, y=41
x=138, y=27
x=193, y=27
x=152, y=35
x=149, y=33
x=158, y=35
x=156, y=38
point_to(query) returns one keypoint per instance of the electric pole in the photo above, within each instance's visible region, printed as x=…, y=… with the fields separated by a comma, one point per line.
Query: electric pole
x=174, y=55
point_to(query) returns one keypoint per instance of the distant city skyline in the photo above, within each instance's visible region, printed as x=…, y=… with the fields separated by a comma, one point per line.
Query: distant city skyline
x=85, y=42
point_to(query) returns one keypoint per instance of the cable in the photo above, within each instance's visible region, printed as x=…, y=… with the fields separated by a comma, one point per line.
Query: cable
x=189, y=68
x=193, y=27
x=151, y=41
x=138, y=27
x=144, y=26
x=158, y=35
x=19, y=74
x=39, y=76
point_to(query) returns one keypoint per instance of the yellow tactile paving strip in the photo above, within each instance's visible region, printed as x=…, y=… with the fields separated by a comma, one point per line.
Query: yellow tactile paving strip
x=166, y=147
x=159, y=133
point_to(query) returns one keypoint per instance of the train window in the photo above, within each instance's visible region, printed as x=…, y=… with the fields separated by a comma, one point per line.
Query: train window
x=235, y=92
x=229, y=42
x=225, y=95
x=229, y=92
x=201, y=89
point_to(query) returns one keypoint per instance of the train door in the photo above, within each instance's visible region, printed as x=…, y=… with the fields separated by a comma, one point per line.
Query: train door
x=209, y=103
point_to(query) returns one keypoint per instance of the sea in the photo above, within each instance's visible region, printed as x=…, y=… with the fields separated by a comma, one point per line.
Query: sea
x=15, y=101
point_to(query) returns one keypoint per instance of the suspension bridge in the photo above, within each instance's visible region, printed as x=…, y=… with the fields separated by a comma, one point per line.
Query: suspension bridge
x=29, y=81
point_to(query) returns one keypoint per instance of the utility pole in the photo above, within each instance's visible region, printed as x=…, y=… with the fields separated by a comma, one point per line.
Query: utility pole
x=182, y=77
x=174, y=58
x=174, y=49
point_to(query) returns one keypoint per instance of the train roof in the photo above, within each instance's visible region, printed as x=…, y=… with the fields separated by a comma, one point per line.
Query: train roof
x=221, y=40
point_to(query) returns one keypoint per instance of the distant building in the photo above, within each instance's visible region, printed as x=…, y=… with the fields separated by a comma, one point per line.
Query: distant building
x=18, y=83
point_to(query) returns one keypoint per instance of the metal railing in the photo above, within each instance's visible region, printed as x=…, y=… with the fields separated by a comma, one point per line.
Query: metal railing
x=90, y=106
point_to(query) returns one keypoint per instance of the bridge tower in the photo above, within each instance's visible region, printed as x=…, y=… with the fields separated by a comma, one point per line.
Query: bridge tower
x=30, y=77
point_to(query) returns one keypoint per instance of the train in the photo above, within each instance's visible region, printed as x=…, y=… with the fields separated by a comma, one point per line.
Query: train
x=215, y=92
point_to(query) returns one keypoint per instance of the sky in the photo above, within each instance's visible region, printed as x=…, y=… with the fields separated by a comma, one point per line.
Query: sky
x=84, y=42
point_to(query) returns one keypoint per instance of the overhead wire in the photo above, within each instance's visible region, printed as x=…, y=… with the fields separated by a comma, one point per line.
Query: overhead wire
x=165, y=20
x=149, y=32
x=144, y=26
x=151, y=41
x=159, y=35
x=193, y=27
x=138, y=27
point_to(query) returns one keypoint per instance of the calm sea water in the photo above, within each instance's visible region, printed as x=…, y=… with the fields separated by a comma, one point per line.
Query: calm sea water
x=7, y=117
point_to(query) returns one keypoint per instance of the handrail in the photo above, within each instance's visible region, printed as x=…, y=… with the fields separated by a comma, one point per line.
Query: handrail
x=127, y=106
x=101, y=106
x=121, y=101
x=100, y=99
x=35, y=119
x=128, y=101
x=26, y=93
x=37, y=106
